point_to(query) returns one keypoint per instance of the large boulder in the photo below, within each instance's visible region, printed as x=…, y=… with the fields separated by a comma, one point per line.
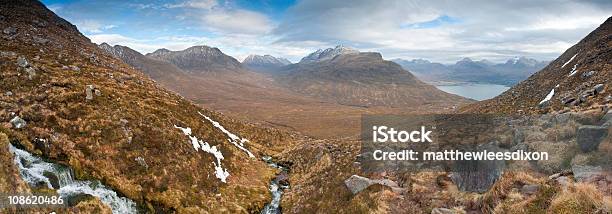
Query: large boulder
x=357, y=183
x=478, y=176
x=589, y=137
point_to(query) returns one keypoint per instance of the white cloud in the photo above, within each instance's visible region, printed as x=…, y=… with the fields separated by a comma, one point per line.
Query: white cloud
x=92, y=26
x=196, y=4
x=237, y=21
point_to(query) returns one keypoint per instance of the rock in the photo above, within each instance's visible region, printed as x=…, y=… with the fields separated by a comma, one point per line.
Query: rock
x=73, y=200
x=31, y=72
x=357, y=183
x=89, y=92
x=608, y=99
x=18, y=123
x=7, y=54
x=588, y=74
x=544, y=104
x=23, y=62
x=282, y=179
x=42, y=145
x=589, y=137
x=97, y=92
x=74, y=68
x=10, y=30
x=478, y=176
x=39, y=23
x=443, y=211
x=41, y=40
x=8, y=94
x=567, y=100
x=53, y=179
x=530, y=189
x=598, y=88
x=141, y=161
x=564, y=181
x=607, y=118
x=588, y=93
x=586, y=173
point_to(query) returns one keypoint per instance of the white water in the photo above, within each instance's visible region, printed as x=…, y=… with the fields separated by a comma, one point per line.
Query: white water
x=32, y=170
x=276, y=189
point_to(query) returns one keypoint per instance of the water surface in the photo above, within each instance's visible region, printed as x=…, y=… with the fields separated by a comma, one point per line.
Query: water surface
x=477, y=91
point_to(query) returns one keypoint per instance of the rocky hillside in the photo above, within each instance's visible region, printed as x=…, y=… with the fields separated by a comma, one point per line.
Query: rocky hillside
x=199, y=59
x=580, y=78
x=350, y=77
x=67, y=100
x=265, y=63
x=467, y=70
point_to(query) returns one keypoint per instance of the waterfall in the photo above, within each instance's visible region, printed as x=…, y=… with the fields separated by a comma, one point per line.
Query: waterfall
x=39, y=173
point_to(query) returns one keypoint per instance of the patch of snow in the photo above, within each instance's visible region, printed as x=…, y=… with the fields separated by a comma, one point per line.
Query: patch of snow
x=557, y=86
x=221, y=173
x=569, y=60
x=234, y=139
x=549, y=96
x=573, y=70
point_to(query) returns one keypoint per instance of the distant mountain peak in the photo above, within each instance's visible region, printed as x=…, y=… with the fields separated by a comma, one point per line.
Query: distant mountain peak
x=329, y=53
x=199, y=58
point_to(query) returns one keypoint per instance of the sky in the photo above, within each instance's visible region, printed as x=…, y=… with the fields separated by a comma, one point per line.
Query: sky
x=441, y=31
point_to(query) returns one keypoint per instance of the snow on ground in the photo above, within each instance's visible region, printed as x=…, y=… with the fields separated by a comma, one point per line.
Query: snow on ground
x=221, y=173
x=234, y=139
x=569, y=60
x=574, y=70
x=548, y=97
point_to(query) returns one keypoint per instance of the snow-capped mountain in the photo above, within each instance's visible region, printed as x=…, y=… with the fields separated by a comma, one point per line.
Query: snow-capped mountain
x=329, y=53
x=265, y=63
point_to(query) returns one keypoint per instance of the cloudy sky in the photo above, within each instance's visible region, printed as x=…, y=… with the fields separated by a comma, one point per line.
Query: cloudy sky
x=442, y=31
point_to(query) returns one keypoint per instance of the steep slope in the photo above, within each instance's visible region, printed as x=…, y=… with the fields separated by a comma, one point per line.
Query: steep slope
x=580, y=78
x=509, y=73
x=362, y=79
x=265, y=63
x=67, y=100
x=199, y=59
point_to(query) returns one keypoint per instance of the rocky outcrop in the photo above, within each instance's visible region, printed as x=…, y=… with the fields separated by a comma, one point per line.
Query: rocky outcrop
x=357, y=183
x=589, y=137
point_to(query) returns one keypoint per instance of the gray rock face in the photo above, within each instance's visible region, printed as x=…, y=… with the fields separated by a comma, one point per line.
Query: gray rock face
x=589, y=137
x=18, y=123
x=585, y=173
x=588, y=74
x=23, y=62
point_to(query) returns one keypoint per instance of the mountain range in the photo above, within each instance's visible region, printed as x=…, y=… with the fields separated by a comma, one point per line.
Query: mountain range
x=467, y=70
x=199, y=59
x=265, y=63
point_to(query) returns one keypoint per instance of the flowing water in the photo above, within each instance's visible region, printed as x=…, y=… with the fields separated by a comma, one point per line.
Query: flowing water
x=275, y=188
x=37, y=172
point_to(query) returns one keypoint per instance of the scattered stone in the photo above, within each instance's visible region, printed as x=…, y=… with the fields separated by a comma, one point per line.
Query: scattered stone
x=39, y=23
x=530, y=189
x=141, y=161
x=567, y=100
x=8, y=93
x=41, y=40
x=588, y=74
x=589, y=137
x=31, y=72
x=18, y=123
x=608, y=99
x=75, y=68
x=123, y=121
x=443, y=211
x=598, y=88
x=588, y=93
x=564, y=181
x=97, y=92
x=10, y=30
x=7, y=54
x=282, y=179
x=89, y=92
x=23, y=62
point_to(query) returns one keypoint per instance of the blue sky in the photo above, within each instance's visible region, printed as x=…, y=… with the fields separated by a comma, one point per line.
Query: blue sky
x=442, y=31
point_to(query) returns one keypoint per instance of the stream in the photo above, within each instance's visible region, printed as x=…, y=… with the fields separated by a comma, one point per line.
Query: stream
x=38, y=173
x=277, y=186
